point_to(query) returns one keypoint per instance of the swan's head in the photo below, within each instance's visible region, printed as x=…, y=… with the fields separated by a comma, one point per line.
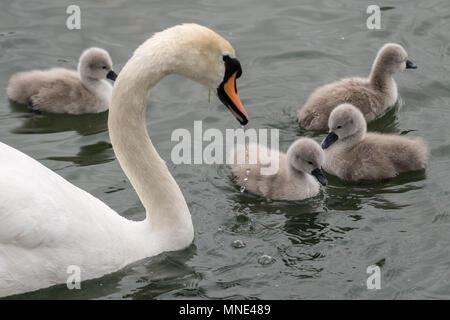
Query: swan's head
x=345, y=121
x=392, y=58
x=305, y=155
x=202, y=55
x=96, y=64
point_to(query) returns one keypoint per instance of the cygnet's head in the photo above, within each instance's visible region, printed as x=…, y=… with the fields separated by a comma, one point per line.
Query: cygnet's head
x=96, y=64
x=392, y=58
x=305, y=155
x=345, y=121
x=201, y=55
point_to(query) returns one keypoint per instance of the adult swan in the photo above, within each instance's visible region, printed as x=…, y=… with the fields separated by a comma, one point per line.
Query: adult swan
x=48, y=224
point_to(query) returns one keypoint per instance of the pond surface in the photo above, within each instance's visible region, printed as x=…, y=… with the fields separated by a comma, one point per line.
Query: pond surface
x=315, y=249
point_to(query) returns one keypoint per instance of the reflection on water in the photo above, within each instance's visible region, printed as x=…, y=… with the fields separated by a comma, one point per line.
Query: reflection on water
x=97, y=153
x=152, y=277
x=388, y=121
x=353, y=196
x=86, y=124
x=165, y=273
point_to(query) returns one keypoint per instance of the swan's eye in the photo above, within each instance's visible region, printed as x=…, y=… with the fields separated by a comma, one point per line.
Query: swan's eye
x=310, y=162
x=104, y=67
x=339, y=127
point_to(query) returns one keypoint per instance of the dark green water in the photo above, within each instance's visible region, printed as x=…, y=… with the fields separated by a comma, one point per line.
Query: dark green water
x=320, y=247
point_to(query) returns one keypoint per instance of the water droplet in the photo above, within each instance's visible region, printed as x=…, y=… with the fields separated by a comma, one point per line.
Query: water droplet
x=245, y=179
x=265, y=260
x=247, y=172
x=238, y=244
x=242, y=189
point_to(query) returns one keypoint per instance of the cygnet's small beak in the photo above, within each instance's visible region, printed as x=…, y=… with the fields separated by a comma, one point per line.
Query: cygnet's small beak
x=111, y=75
x=329, y=140
x=410, y=65
x=319, y=176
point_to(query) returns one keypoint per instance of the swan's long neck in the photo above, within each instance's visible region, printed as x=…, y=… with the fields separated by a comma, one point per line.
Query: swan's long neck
x=380, y=78
x=147, y=172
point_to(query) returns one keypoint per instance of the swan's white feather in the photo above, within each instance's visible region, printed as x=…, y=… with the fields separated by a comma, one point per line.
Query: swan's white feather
x=48, y=224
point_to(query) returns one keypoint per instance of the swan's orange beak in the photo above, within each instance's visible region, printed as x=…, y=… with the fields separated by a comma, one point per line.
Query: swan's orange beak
x=232, y=92
x=230, y=97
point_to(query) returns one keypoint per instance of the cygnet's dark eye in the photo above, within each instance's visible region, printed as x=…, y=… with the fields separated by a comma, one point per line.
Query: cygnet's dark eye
x=339, y=127
x=310, y=162
x=104, y=67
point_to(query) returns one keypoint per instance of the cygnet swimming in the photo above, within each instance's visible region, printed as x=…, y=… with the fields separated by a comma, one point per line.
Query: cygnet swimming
x=61, y=90
x=372, y=95
x=353, y=154
x=297, y=175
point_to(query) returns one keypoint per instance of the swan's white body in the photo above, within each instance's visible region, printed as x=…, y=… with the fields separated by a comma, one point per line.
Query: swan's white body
x=48, y=224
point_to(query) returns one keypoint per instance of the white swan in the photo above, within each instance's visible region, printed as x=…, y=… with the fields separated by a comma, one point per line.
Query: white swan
x=48, y=224
x=61, y=90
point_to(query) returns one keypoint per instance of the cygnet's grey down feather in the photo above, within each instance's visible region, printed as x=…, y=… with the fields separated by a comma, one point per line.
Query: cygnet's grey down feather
x=60, y=90
x=297, y=175
x=353, y=154
x=372, y=95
